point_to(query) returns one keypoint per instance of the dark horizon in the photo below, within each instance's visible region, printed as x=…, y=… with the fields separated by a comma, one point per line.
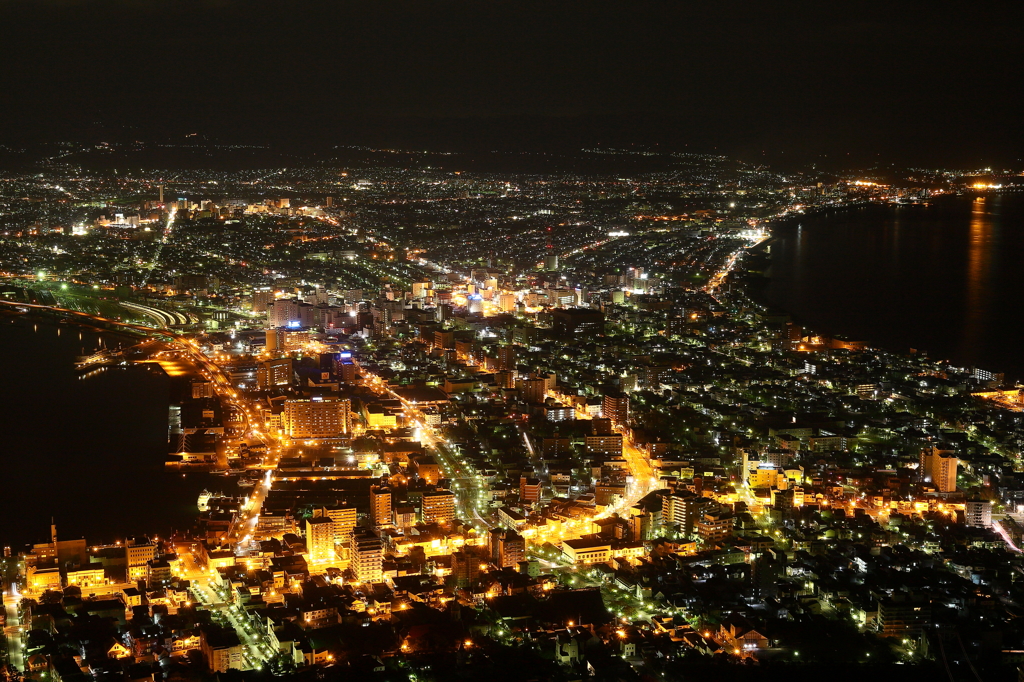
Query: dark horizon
x=894, y=84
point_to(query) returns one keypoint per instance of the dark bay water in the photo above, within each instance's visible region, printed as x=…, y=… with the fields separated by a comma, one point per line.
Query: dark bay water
x=947, y=278
x=88, y=451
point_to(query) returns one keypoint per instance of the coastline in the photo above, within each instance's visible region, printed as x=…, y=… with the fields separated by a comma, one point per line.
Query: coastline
x=760, y=270
x=101, y=473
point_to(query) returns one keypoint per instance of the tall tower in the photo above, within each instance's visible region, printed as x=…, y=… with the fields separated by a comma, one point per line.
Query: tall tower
x=161, y=193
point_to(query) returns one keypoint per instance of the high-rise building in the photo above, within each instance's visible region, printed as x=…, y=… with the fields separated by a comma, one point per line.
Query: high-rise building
x=938, y=467
x=316, y=418
x=283, y=312
x=506, y=358
x=345, y=368
x=438, y=507
x=344, y=518
x=533, y=390
x=366, y=556
x=616, y=407
x=271, y=373
x=261, y=299
x=465, y=567
x=684, y=510
x=507, y=303
x=380, y=507
x=511, y=550
x=320, y=539
x=221, y=649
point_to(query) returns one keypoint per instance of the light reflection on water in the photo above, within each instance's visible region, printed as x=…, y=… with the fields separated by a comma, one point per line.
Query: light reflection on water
x=942, y=278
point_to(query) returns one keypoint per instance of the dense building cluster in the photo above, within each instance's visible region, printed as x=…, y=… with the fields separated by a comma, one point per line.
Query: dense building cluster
x=476, y=421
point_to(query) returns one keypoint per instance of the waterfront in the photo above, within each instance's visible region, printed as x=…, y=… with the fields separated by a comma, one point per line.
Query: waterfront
x=941, y=278
x=86, y=449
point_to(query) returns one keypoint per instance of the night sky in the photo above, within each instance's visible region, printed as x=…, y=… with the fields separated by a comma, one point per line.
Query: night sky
x=903, y=81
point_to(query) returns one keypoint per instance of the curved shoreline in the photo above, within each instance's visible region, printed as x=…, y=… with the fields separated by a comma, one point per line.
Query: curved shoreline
x=756, y=288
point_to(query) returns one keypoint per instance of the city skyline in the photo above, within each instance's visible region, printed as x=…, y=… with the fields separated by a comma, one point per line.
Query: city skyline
x=435, y=341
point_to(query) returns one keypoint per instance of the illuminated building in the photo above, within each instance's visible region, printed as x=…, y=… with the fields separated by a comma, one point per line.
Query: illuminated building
x=404, y=517
x=380, y=507
x=608, y=493
x=261, y=299
x=533, y=390
x=271, y=373
x=510, y=518
x=86, y=576
x=683, y=510
x=653, y=376
x=316, y=418
x=344, y=519
x=529, y=489
x=429, y=472
x=465, y=567
x=345, y=368
x=138, y=553
x=438, y=507
x=378, y=416
x=714, y=528
x=320, y=539
x=63, y=552
x=978, y=513
x=616, y=407
x=559, y=413
x=586, y=551
x=903, y=615
x=511, y=550
x=938, y=467
x=366, y=556
x=507, y=303
x=221, y=649
x=507, y=358
x=610, y=445
x=445, y=340
x=284, y=312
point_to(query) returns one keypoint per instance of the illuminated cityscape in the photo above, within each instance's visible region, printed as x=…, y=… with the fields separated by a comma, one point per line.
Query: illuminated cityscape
x=457, y=414
x=446, y=342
